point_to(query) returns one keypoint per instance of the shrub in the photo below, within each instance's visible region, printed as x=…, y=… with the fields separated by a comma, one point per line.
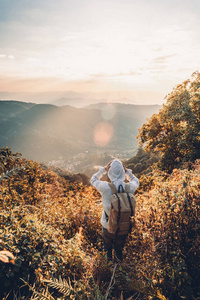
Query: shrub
x=56, y=239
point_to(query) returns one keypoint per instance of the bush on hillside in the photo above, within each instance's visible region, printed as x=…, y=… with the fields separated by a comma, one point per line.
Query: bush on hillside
x=57, y=238
x=174, y=131
x=167, y=240
x=143, y=162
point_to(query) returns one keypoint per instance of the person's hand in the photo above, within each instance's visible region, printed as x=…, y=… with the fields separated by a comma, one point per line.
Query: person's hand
x=107, y=167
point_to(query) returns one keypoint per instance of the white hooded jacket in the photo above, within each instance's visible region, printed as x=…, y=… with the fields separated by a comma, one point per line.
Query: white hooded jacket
x=117, y=176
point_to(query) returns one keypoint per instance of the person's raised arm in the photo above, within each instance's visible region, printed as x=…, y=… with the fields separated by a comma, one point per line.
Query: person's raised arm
x=96, y=178
x=133, y=180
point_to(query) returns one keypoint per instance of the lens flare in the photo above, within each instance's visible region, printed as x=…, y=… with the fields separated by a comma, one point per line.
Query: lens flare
x=103, y=133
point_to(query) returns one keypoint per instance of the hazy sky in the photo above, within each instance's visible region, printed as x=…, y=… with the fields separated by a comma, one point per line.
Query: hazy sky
x=98, y=45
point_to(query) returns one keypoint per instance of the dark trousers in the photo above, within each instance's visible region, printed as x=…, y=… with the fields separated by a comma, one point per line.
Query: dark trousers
x=111, y=241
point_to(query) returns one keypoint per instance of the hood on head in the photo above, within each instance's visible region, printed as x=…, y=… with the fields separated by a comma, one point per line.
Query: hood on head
x=116, y=171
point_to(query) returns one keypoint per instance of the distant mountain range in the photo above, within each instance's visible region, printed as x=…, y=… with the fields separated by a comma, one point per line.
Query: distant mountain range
x=47, y=132
x=81, y=99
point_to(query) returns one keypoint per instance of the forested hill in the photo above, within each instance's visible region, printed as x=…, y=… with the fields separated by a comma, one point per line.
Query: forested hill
x=44, y=132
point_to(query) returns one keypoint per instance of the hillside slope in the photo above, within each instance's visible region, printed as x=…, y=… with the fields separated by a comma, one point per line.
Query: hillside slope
x=43, y=132
x=52, y=227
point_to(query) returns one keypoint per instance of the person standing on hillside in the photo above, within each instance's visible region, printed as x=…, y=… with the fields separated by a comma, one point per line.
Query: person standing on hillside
x=117, y=174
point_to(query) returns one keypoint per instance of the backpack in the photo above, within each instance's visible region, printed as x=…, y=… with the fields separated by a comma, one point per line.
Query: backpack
x=122, y=208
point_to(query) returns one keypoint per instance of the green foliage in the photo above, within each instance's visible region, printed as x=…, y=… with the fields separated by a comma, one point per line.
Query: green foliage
x=174, y=131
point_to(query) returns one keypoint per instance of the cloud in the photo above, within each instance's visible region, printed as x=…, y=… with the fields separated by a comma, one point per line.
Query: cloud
x=7, y=56
x=121, y=74
x=103, y=43
x=162, y=59
x=33, y=60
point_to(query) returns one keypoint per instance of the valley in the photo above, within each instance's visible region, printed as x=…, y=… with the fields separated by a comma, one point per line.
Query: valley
x=74, y=139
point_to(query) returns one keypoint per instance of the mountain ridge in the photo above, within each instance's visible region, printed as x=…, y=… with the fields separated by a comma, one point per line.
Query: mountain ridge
x=67, y=130
x=85, y=98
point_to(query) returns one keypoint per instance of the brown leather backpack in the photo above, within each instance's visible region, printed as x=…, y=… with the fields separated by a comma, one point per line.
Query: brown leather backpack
x=122, y=209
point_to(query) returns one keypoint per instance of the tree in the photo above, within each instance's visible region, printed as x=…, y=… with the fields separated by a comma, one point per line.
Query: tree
x=175, y=130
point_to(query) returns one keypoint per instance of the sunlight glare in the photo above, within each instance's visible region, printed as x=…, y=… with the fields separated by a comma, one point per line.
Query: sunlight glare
x=103, y=133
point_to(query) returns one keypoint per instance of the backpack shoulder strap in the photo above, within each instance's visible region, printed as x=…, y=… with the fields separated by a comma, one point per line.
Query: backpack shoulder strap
x=113, y=188
x=127, y=188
